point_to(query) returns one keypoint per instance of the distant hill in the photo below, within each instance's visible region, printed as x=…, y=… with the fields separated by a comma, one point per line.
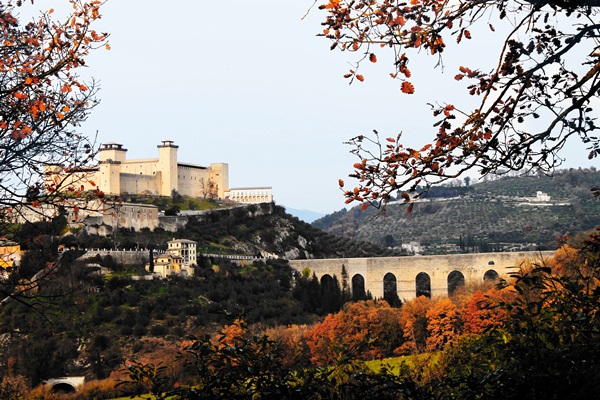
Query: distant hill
x=304, y=215
x=497, y=215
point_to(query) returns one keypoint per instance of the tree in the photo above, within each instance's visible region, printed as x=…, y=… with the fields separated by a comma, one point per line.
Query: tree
x=209, y=189
x=536, y=95
x=444, y=324
x=547, y=346
x=413, y=318
x=43, y=100
x=363, y=330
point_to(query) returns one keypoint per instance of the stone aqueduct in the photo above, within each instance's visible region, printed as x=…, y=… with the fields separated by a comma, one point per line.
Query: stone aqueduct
x=413, y=276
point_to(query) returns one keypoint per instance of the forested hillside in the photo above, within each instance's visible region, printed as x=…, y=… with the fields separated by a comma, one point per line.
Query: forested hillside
x=496, y=215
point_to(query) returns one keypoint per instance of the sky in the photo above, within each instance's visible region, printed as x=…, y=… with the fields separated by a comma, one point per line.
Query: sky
x=248, y=83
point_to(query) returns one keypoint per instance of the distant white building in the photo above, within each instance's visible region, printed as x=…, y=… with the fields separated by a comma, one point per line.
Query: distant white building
x=541, y=196
x=250, y=195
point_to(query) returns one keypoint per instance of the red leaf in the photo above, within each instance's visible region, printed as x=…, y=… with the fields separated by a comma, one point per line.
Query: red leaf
x=407, y=88
x=373, y=58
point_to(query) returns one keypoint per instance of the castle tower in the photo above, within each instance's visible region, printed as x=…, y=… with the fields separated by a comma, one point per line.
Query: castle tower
x=219, y=174
x=112, y=151
x=167, y=166
x=109, y=179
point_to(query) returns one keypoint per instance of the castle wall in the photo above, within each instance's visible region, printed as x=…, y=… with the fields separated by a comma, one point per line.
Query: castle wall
x=145, y=166
x=191, y=179
x=137, y=184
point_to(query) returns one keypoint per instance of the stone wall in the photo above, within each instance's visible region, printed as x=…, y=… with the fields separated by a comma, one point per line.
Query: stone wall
x=125, y=257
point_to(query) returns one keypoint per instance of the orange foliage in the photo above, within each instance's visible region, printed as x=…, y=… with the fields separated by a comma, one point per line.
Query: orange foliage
x=232, y=333
x=482, y=311
x=365, y=330
x=444, y=324
x=413, y=317
x=295, y=351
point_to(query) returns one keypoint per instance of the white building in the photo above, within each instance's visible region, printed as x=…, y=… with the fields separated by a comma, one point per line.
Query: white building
x=250, y=195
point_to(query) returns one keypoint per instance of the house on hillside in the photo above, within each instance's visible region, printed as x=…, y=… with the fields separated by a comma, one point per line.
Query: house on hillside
x=541, y=196
x=186, y=249
x=180, y=259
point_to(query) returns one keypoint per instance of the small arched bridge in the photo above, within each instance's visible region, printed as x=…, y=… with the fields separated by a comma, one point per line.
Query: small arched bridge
x=65, y=385
x=414, y=276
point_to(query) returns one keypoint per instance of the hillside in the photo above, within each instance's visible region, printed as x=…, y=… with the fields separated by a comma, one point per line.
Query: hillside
x=268, y=229
x=87, y=323
x=497, y=215
x=264, y=229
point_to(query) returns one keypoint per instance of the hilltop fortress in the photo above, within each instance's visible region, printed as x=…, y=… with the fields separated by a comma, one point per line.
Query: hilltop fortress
x=116, y=175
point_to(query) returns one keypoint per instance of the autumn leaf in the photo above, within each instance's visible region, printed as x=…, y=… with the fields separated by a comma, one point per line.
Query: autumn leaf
x=399, y=20
x=373, y=58
x=333, y=4
x=360, y=78
x=407, y=88
x=341, y=183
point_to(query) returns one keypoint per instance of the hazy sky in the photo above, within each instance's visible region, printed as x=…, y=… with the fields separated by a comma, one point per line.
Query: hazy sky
x=248, y=83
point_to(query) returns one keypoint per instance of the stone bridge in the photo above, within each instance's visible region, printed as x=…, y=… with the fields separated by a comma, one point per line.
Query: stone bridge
x=411, y=277
x=65, y=384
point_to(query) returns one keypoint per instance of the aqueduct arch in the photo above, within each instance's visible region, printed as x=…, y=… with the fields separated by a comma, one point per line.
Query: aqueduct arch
x=426, y=275
x=455, y=279
x=423, y=285
x=358, y=287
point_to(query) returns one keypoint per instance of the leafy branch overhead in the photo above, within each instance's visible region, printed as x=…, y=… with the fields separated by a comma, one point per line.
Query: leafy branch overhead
x=43, y=99
x=538, y=93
